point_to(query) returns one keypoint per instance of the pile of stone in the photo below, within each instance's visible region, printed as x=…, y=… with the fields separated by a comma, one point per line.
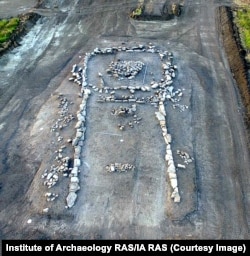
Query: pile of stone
x=180, y=107
x=118, y=167
x=77, y=76
x=61, y=164
x=51, y=176
x=123, y=111
x=161, y=117
x=185, y=156
x=65, y=117
x=122, y=68
x=50, y=196
x=136, y=120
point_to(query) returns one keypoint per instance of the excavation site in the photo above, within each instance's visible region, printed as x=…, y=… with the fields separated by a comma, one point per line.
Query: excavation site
x=123, y=120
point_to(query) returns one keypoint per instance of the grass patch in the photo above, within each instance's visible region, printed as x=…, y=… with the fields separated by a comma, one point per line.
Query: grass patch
x=243, y=23
x=137, y=12
x=7, y=27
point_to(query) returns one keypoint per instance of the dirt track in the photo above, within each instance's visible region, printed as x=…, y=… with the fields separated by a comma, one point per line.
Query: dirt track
x=214, y=188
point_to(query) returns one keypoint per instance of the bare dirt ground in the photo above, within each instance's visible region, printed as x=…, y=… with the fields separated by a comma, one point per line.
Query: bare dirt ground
x=214, y=188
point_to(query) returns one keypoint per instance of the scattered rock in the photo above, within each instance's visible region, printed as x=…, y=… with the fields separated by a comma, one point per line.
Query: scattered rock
x=185, y=156
x=45, y=210
x=118, y=167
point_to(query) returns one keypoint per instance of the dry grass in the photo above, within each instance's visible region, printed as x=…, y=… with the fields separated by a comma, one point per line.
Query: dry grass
x=242, y=2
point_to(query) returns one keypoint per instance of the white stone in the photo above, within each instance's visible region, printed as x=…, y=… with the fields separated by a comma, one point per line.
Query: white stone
x=71, y=198
x=162, y=109
x=78, y=124
x=168, y=157
x=168, y=77
x=167, y=138
x=79, y=134
x=160, y=116
x=73, y=187
x=74, y=180
x=176, y=196
x=163, y=127
x=49, y=176
x=78, y=150
x=169, y=152
x=55, y=177
x=171, y=168
x=173, y=182
x=74, y=171
x=154, y=86
x=87, y=91
x=181, y=166
x=164, y=66
x=172, y=175
x=77, y=162
x=45, y=210
x=75, y=141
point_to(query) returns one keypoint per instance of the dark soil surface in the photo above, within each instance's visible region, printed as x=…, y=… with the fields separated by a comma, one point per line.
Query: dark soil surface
x=214, y=188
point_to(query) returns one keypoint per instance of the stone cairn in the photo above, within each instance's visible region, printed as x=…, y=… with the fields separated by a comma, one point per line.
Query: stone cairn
x=121, y=69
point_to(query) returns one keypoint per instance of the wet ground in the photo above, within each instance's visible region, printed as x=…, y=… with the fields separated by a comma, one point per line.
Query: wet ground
x=214, y=188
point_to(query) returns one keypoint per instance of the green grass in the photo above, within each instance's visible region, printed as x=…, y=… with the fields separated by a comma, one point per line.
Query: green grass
x=137, y=12
x=243, y=22
x=7, y=27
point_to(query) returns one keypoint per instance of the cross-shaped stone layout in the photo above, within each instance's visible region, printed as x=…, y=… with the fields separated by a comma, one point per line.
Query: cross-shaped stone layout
x=120, y=75
x=121, y=69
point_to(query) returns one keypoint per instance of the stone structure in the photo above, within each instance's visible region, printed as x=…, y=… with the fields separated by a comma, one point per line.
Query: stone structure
x=158, y=92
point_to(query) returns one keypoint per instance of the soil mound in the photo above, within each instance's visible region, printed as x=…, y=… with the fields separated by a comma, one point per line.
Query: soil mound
x=157, y=10
x=235, y=54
